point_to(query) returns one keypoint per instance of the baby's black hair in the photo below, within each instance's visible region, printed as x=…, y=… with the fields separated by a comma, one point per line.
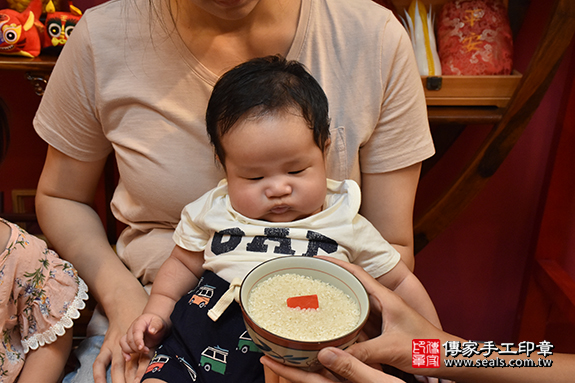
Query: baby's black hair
x=263, y=85
x=4, y=131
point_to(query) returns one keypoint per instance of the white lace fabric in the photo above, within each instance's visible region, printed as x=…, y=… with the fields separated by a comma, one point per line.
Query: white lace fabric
x=66, y=322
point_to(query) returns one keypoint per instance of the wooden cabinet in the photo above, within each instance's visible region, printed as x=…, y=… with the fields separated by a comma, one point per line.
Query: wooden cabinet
x=37, y=69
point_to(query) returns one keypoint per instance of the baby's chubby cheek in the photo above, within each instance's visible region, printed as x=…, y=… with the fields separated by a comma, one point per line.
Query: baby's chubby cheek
x=250, y=207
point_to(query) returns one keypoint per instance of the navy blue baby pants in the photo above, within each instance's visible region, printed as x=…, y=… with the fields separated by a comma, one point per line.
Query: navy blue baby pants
x=201, y=350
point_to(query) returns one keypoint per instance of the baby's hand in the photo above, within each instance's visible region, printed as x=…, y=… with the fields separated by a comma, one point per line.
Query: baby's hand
x=146, y=331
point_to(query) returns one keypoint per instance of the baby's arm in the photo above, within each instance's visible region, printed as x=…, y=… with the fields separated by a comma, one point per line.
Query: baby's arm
x=46, y=364
x=178, y=275
x=403, y=282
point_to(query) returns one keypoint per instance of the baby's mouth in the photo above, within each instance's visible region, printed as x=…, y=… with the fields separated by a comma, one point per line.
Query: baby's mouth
x=280, y=209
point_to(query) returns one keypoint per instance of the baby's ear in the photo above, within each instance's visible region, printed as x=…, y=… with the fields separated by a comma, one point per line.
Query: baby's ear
x=219, y=162
x=326, y=145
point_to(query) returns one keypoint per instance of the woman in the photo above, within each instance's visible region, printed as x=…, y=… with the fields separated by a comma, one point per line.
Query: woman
x=135, y=78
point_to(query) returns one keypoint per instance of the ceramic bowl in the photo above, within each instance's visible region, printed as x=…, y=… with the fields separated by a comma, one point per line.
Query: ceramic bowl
x=297, y=353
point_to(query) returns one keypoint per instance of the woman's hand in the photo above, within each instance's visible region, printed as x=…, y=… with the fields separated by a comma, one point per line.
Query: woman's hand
x=399, y=325
x=346, y=367
x=122, y=370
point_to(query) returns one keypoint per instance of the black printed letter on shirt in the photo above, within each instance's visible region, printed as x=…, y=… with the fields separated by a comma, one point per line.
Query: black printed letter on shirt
x=277, y=234
x=319, y=241
x=219, y=247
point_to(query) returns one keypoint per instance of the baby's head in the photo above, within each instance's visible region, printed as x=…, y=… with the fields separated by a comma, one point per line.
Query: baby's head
x=268, y=122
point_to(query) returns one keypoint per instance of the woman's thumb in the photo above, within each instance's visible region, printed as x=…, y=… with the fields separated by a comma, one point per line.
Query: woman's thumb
x=364, y=352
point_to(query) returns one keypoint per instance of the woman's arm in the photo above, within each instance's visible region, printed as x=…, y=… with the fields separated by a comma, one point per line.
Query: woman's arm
x=405, y=284
x=46, y=364
x=387, y=202
x=63, y=204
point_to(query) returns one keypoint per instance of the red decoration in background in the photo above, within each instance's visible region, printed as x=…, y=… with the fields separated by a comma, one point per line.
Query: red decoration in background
x=474, y=38
x=59, y=25
x=19, y=31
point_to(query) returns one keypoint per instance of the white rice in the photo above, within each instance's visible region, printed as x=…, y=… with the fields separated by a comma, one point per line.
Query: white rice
x=337, y=314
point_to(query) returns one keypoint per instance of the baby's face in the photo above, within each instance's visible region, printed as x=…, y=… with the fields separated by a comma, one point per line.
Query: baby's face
x=275, y=170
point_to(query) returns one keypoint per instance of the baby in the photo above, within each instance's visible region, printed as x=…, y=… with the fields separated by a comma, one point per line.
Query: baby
x=268, y=122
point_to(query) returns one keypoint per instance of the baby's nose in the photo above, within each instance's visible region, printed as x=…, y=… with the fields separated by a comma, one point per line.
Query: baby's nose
x=278, y=189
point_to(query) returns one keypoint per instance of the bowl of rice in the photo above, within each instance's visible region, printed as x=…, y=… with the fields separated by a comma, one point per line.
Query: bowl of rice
x=295, y=306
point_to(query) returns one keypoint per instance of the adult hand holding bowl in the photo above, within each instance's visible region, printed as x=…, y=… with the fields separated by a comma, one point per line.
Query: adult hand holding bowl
x=289, y=348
